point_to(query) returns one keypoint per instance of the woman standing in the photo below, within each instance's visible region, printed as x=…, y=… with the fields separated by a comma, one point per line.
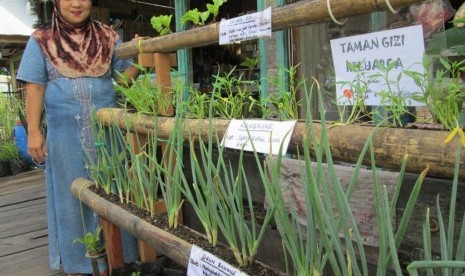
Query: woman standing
x=68, y=66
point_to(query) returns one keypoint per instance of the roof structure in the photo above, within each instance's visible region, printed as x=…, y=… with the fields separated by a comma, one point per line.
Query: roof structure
x=15, y=26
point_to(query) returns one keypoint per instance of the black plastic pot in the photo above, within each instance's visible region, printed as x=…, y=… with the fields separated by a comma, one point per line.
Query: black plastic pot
x=18, y=165
x=4, y=168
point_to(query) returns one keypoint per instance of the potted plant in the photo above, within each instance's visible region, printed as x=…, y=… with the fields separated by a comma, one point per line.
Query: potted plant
x=10, y=154
x=4, y=159
x=95, y=251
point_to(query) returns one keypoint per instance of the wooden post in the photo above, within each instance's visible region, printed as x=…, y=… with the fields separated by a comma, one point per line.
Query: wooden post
x=113, y=244
x=163, y=79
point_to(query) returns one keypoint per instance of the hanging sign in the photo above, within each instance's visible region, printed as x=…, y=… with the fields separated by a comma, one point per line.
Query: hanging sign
x=246, y=27
x=404, y=47
x=202, y=262
x=265, y=135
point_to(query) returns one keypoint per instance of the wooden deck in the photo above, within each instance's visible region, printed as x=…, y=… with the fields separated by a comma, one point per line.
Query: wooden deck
x=23, y=225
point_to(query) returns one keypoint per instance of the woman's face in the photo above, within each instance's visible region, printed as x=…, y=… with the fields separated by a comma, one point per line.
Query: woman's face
x=74, y=11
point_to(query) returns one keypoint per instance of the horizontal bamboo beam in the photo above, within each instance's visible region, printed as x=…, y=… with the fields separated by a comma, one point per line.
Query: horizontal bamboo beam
x=292, y=15
x=423, y=147
x=165, y=243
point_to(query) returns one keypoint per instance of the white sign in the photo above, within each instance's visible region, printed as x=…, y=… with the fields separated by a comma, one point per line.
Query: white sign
x=266, y=136
x=246, y=27
x=403, y=46
x=204, y=263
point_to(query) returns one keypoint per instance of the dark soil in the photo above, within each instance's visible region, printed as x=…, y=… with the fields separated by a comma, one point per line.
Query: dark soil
x=189, y=235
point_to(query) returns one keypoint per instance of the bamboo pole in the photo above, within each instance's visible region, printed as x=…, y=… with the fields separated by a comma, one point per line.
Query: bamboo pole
x=423, y=147
x=288, y=16
x=165, y=243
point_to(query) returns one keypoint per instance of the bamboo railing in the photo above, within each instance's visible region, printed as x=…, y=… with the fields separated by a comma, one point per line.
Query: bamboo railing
x=422, y=147
x=289, y=16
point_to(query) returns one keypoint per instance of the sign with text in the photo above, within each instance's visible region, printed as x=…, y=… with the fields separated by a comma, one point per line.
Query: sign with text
x=202, y=262
x=266, y=136
x=404, y=47
x=246, y=27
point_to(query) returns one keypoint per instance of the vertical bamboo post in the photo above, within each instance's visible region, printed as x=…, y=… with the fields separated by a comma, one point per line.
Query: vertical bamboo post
x=113, y=244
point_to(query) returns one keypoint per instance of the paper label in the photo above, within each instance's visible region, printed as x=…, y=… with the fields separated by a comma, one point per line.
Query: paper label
x=403, y=46
x=266, y=136
x=246, y=27
x=204, y=263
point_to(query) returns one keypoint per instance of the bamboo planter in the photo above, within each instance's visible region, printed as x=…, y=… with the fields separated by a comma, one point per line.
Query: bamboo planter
x=422, y=147
x=169, y=245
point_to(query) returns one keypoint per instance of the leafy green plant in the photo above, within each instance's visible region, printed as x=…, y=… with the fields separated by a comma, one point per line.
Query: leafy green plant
x=351, y=105
x=250, y=64
x=8, y=112
x=232, y=97
x=332, y=237
x=393, y=99
x=92, y=242
x=97, y=159
x=142, y=95
x=214, y=8
x=442, y=93
x=169, y=173
x=450, y=263
x=195, y=16
x=286, y=102
x=8, y=150
x=199, y=194
x=197, y=104
x=199, y=18
x=162, y=24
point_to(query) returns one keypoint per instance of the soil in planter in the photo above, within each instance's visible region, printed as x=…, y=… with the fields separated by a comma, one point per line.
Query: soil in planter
x=188, y=235
x=162, y=267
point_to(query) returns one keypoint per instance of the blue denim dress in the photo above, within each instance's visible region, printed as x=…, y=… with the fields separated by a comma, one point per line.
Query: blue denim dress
x=69, y=104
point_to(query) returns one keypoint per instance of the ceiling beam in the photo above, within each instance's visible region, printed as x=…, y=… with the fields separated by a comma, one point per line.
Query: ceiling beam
x=13, y=39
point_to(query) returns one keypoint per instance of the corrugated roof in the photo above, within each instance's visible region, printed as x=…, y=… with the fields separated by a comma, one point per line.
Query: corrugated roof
x=14, y=19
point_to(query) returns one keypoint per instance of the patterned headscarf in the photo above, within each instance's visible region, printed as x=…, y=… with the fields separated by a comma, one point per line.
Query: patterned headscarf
x=76, y=51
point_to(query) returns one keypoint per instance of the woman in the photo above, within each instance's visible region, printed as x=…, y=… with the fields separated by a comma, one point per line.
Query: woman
x=68, y=65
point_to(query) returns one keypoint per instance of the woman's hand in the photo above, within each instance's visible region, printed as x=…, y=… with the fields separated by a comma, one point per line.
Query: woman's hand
x=34, y=105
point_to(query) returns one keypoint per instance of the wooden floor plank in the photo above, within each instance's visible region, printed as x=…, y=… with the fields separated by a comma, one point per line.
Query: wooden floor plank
x=18, y=197
x=23, y=226
x=20, y=206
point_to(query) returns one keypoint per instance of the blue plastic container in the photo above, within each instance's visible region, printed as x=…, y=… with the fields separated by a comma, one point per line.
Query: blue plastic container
x=20, y=135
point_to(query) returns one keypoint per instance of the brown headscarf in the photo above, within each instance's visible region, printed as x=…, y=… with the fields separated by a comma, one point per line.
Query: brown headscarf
x=76, y=51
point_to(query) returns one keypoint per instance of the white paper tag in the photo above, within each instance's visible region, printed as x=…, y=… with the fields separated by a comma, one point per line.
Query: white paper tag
x=246, y=27
x=404, y=47
x=202, y=263
x=266, y=136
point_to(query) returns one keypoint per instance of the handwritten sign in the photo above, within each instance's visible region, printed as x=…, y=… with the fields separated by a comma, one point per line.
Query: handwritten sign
x=266, y=136
x=202, y=262
x=403, y=46
x=246, y=27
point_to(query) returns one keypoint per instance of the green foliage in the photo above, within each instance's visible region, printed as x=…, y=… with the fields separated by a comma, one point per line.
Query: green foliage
x=199, y=18
x=214, y=8
x=393, y=99
x=443, y=92
x=353, y=108
x=195, y=16
x=232, y=97
x=8, y=150
x=92, y=242
x=8, y=113
x=142, y=95
x=162, y=24
x=452, y=261
x=286, y=103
